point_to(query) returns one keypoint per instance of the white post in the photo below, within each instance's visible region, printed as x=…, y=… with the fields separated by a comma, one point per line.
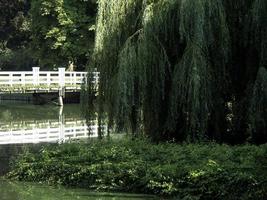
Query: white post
x=23, y=79
x=61, y=74
x=60, y=101
x=61, y=78
x=74, y=79
x=35, y=71
x=61, y=126
x=10, y=79
x=84, y=79
x=48, y=79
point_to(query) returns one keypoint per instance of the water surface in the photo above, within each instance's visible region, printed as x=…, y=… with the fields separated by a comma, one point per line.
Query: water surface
x=22, y=123
x=29, y=191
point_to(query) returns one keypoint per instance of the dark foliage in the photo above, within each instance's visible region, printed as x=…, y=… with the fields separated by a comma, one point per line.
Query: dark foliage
x=199, y=171
x=180, y=70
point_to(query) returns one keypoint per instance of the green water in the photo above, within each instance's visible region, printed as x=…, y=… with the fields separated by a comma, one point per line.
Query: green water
x=26, y=124
x=11, y=112
x=29, y=191
x=18, y=117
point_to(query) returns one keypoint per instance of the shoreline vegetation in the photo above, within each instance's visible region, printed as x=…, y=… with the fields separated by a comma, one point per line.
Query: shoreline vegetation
x=183, y=171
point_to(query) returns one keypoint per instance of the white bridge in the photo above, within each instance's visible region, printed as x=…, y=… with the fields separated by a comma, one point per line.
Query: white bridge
x=37, y=81
x=42, y=81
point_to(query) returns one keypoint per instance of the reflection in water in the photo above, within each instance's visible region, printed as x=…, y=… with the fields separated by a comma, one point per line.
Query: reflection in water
x=25, y=123
x=27, y=191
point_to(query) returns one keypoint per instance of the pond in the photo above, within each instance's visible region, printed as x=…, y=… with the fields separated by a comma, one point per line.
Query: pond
x=29, y=191
x=23, y=124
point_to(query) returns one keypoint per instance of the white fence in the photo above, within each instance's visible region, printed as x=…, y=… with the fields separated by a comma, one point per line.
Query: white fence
x=36, y=79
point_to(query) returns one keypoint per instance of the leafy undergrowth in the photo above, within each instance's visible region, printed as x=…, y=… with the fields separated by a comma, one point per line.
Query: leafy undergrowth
x=185, y=171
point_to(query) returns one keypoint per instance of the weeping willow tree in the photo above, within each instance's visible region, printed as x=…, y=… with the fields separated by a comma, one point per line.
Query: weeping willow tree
x=182, y=69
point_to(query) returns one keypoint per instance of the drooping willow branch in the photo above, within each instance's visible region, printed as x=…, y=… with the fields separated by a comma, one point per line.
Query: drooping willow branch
x=167, y=66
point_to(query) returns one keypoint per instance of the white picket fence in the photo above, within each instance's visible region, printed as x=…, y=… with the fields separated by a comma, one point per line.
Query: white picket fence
x=28, y=81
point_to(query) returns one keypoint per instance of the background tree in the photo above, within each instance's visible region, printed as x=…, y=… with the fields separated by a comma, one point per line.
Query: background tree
x=62, y=31
x=15, y=35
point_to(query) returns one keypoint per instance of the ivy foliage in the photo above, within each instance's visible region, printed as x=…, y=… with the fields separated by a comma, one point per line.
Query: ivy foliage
x=182, y=69
x=187, y=171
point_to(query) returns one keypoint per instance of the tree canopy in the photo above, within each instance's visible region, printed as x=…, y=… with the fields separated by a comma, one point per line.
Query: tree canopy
x=48, y=33
x=15, y=35
x=191, y=70
x=62, y=31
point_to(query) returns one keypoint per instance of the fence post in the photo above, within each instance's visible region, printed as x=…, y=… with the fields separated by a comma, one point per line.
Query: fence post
x=61, y=91
x=23, y=79
x=48, y=78
x=61, y=74
x=35, y=72
x=10, y=79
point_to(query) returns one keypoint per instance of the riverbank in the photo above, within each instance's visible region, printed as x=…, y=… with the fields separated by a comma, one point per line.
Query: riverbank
x=186, y=171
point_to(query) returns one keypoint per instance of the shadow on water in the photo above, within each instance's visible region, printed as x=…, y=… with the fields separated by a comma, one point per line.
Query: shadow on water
x=29, y=191
x=6, y=154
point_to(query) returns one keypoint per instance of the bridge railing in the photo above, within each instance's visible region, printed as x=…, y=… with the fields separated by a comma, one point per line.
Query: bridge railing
x=36, y=77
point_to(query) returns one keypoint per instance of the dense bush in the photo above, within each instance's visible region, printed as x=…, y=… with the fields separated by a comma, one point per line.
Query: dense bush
x=186, y=171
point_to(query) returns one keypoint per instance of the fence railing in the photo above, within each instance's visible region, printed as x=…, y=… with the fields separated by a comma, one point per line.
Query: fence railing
x=35, y=78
